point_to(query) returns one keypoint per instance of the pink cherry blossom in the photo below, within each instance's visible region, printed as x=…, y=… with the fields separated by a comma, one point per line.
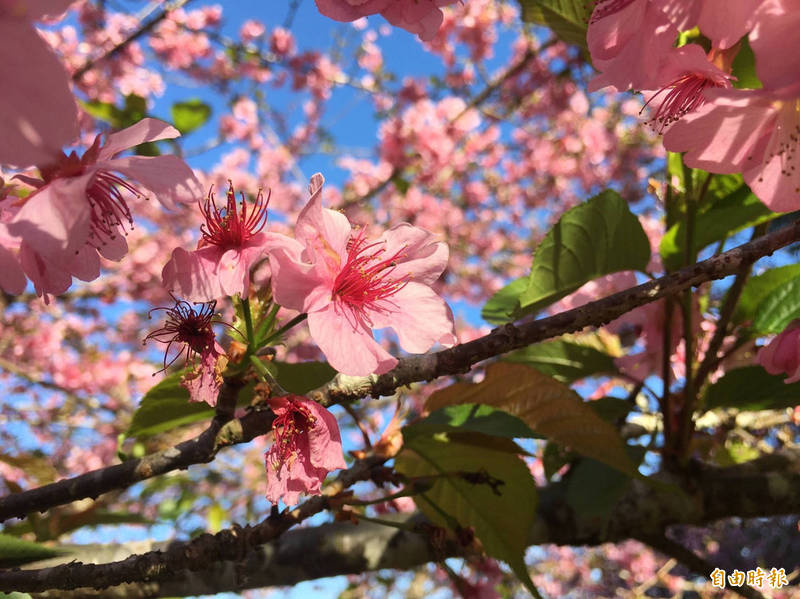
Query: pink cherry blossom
x=231, y=243
x=349, y=285
x=754, y=132
x=192, y=327
x=774, y=42
x=38, y=113
x=80, y=204
x=306, y=446
x=782, y=354
x=422, y=17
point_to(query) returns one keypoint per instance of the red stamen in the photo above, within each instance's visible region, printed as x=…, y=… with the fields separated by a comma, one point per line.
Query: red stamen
x=110, y=211
x=230, y=227
x=296, y=420
x=683, y=95
x=188, y=325
x=366, y=279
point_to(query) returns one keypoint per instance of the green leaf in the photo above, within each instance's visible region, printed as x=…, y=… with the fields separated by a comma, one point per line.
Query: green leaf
x=303, y=377
x=593, y=488
x=737, y=210
x=760, y=287
x=744, y=68
x=779, y=308
x=548, y=406
x=190, y=115
x=593, y=239
x=504, y=305
x=15, y=552
x=564, y=360
x=470, y=417
x=501, y=519
x=610, y=409
x=752, y=388
x=568, y=19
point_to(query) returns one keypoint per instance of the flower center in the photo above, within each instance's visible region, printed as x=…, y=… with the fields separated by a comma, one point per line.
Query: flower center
x=678, y=98
x=231, y=227
x=110, y=211
x=189, y=325
x=296, y=420
x=367, y=277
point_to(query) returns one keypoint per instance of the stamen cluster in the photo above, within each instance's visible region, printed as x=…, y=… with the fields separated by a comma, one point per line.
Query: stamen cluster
x=229, y=226
x=189, y=325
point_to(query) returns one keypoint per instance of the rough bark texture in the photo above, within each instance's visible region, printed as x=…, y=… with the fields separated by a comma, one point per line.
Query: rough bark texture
x=768, y=486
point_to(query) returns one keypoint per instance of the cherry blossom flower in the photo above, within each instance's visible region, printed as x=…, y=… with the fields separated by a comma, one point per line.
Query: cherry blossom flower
x=192, y=327
x=306, y=446
x=782, y=354
x=38, y=113
x=422, y=17
x=755, y=132
x=80, y=204
x=231, y=242
x=348, y=285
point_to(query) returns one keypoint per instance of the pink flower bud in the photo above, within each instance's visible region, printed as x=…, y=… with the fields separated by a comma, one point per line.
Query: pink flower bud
x=782, y=354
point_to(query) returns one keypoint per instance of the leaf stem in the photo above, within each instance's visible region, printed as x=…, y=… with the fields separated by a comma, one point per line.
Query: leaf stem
x=292, y=323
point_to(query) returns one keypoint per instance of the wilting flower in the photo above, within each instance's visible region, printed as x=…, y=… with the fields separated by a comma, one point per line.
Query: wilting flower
x=231, y=242
x=782, y=354
x=349, y=285
x=80, y=203
x=306, y=446
x=38, y=113
x=191, y=326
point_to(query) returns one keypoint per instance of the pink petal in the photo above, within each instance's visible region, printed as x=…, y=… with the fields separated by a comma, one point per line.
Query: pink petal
x=423, y=257
x=350, y=350
x=296, y=285
x=726, y=21
x=233, y=272
x=419, y=317
x=342, y=10
x=774, y=43
x=85, y=265
x=324, y=439
x=324, y=232
x=55, y=219
x=37, y=10
x=139, y=133
x=202, y=382
x=607, y=36
x=168, y=177
x=45, y=276
x=193, y=275
x=114, y=248
x=38, y=114
x=12, y=278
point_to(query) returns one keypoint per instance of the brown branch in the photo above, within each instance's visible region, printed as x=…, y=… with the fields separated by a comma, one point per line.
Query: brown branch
x=222, y=432
x=231, y=544
x=461, y=358
x=146, y=28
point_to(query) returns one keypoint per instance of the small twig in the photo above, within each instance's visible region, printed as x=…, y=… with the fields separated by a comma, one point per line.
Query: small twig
x=364, y=433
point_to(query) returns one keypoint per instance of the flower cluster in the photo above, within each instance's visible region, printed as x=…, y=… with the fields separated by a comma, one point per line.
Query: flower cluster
x=722, y=129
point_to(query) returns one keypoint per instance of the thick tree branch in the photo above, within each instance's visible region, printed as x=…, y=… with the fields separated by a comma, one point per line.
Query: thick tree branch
x=458, y=359
x=768, y=486
x=197, y=554
x=461, y=358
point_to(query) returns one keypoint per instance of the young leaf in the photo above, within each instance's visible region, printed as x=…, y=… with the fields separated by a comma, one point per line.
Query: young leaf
x=15, y=552
x=564, y=360
x=302, y=377
x=779, y=308
x=501, y=518
x=744, y=68
x=190, y=115
x=549, y=407
x=567, y=18
x=470, y=417
x=752, y=388
x=504, y=305
x=760, y=287
x=593, y=239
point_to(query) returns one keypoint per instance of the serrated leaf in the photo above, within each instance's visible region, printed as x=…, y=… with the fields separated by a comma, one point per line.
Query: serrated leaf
x=15, y=552
x=504, y=305
x=470, y=418
x=568, y=19
x=303, y=377
x=190, y=115
x=779, y=308
x=564, y=360
x=737, y=210
x=760, y=287
x=501, y=519
x=548, y=406
x=751, y=388
x=599, y=237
